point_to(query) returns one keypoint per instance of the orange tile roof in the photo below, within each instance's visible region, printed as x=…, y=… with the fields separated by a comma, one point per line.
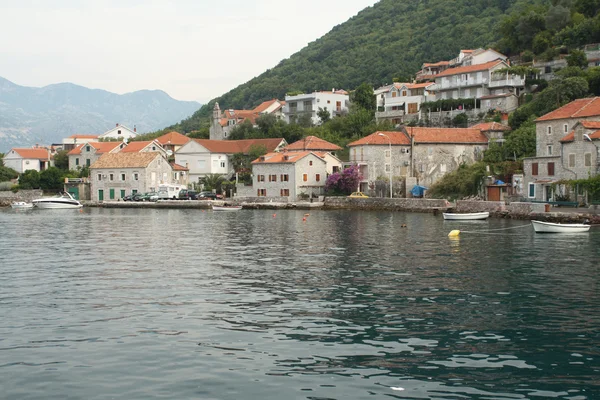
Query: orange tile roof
x=238, y=146
x=285, y=158
x=469, y=68
x=312, y=143
x=437, y=64
x=591, y=124
x=580, y=108
x=78, y=136
x=32, y=153
x=447, y=135
x=100, y=147
x=264, y=105
x=177, y=167
x=419, y=85
x=125, y=160
x=239, y=116
x=173, y=138
x=571, y=136
x=491, y=126
x=136, y=147
x=396, y=138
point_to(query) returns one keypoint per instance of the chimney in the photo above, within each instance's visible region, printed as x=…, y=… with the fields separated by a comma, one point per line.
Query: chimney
x=134, y=129
x=117, y=124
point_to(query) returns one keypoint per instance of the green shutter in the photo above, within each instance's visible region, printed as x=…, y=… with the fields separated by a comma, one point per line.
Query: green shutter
x=100, y=195
x=111, y=194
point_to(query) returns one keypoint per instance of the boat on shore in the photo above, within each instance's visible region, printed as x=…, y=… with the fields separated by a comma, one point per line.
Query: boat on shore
x=551, y=227
x=21, y=205
x=466, y=216
x=62, y=200
x=226, y=208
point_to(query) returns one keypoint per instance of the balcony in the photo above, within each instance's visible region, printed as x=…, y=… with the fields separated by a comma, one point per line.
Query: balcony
x=512, y=81
x=389, y=114
x=459, y=84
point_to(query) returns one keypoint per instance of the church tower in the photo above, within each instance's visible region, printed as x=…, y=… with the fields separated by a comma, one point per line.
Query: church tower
x=216, y=130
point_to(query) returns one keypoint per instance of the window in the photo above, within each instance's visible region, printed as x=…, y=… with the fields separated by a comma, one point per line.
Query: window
x=87, y=148
x=99, y=177
x=318, y=177
x=310, y=162
x=284, y=177
x=261, y=192
x=549, y=148
x=404, y=93
x=547, y=70
x=136, y=176
x=119, y=132
x=260, y=178
x=305, y=177
x=394, y=94
x=284, y=192
x=534, y=168
x=531, y=190
x=122, y=177
x=122, y=193
x=550, y=169
x=387, y=167
x=111, y=177
x=77, y=161
x=549, y=130
x=587, y=159
x=87, y=162
x=566, y=128
x=571, y=160
x=338, y=106
x=336, y=169
x=272, y=178
x=223, y=164
x=387, y=154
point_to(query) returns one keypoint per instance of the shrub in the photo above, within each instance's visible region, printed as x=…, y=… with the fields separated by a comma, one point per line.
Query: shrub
x=6, y=186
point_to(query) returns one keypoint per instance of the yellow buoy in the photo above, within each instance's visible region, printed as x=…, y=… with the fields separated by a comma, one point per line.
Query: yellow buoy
x=454, y=233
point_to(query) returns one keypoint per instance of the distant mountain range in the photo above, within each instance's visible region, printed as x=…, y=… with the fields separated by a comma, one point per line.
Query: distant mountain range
x=46, y=115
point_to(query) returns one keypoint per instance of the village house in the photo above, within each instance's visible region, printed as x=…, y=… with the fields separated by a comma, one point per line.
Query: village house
x=415, y=155
x=180, y=174
x=172, y=142
x=85, y=154
x=205, y=156
x=223, y=122
x=294, y=175
x=313, y=143
x=144, y=147
x=396, y=101
x=115, y=175
x=32, y=158
x=119, y=132
x=74, y=140
x=494, y=131
x=336, y=102
x=567, y=142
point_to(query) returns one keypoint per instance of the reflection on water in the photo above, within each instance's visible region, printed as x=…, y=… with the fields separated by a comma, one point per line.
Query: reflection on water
x=190, y=304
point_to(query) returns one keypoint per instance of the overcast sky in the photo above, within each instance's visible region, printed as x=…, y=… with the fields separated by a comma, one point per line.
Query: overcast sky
x=191, y=49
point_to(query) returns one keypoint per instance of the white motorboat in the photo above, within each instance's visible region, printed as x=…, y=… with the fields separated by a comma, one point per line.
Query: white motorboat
x=550, y=227
x=21, y=205
x=62, y=200
x=226, y=208
x=466, y=216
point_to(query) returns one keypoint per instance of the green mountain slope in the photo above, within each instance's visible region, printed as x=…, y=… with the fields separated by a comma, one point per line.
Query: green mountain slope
x=392, y=38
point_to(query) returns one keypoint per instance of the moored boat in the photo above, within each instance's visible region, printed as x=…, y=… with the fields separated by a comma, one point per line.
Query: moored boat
x=551, y=227
x=62, y=200
x=226, y=208
x=21, y=205
x=466, y=216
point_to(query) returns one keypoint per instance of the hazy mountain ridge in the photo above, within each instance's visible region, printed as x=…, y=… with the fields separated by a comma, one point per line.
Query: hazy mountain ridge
x=30, y=115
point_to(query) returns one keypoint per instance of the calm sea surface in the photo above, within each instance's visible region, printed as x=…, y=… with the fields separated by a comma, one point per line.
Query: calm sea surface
x=186, y=304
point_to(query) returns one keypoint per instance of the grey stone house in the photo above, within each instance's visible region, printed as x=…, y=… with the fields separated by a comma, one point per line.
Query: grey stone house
x=567, y=141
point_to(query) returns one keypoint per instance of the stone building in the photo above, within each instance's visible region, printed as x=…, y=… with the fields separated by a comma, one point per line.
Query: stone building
x=85, y=154
x=115, y=175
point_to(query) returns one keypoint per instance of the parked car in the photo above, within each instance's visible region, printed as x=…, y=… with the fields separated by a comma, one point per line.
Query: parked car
x=129, y=197
x=358, y=195
x=207, y=196
x=185, y=194
x=150, y=196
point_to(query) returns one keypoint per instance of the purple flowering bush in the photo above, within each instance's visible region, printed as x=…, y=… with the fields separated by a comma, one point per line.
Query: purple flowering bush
x=343, y=183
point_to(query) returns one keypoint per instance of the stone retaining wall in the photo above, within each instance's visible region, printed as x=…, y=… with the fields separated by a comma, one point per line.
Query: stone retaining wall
x=401, y=204
x=468, y=206
x=6, y=198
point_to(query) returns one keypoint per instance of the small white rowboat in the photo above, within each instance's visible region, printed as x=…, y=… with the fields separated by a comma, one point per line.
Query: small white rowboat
x=550, y=227
x=226, y=208
x=466, y=216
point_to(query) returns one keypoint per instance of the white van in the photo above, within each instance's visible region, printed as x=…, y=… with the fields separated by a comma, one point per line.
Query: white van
x=166, y=191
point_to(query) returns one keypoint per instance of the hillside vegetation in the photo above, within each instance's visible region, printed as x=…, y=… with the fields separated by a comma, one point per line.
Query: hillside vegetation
x=391, y=39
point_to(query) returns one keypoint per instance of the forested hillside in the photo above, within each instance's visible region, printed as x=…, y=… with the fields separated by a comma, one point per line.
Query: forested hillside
x=391, y=39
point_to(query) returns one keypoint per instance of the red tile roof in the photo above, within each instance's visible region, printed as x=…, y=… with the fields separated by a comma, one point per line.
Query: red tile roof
x=285, y=158
x=100, y=147
x=470, y=68
x=396, y=138
x=177, y=167
x=571, y=136
x=580, y=108
x=266, y=104
x=78, y=136
x=238, y=146
x=173, y=138
x=136, y=147
x=32, y=153
x=491, y=126
x=437, y=64
x=591, y=124
x=447, y=135
x=312, y=143
x=240, y=116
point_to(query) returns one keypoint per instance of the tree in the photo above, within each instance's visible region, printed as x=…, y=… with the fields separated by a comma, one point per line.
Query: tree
x=29, y=179
x=323, y=115
x=6, y=173
x=212, y=181
x=61, y=160
x=577, y=58
x=364, y=98
x=344, y=182
x=51, y=179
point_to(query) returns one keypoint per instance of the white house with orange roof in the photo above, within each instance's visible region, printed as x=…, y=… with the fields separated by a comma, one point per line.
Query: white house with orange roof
x=85, y=154
x=224, y=121
x=336, y=102
x=205, y=156
x=313, y=143
x=30, y=158
x=271, y=107
x=292, y=175
x=172, y=141
x=567, y=148
x=396, y=101
x=144, y=146
x=422, y=154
